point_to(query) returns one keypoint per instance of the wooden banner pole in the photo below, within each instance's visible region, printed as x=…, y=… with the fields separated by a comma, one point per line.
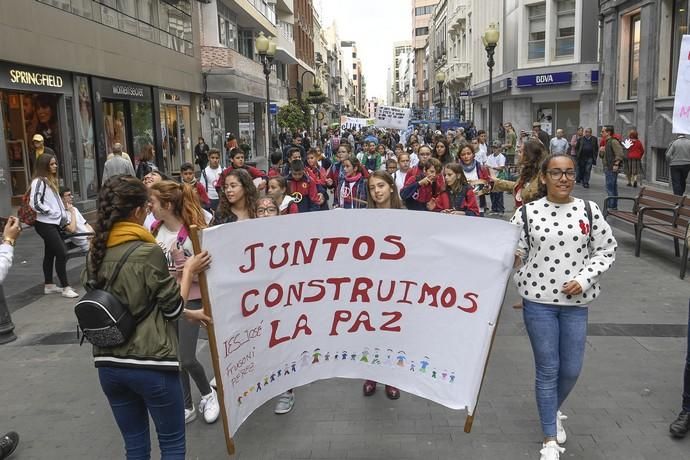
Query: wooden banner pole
x=206, y=303
x=470, y=418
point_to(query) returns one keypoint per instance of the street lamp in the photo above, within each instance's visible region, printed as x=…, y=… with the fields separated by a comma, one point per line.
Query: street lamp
x=440, y=80
x=266, y=48
x=490, y=39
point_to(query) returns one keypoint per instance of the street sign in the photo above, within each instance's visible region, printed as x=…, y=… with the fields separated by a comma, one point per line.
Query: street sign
x=544, y=79
x=274, y=109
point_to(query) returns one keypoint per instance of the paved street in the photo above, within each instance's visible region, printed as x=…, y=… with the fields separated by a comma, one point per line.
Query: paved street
x=628, y=392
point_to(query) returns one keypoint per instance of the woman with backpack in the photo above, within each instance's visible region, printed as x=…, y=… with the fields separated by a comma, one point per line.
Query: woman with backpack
x=51, y=216
x=565, y=247
x=141, y=377
x=176, y=208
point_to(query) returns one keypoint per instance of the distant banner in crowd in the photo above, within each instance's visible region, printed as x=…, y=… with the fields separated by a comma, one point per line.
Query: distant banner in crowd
x=391, y=301
x=681, y=103
x=356, y=123
x=392, y=117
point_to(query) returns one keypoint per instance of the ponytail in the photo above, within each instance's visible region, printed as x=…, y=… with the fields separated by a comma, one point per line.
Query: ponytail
x=184, y=201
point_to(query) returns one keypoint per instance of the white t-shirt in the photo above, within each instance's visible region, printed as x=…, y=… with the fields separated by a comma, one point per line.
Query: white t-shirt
x=212, y=177
x=81, y=241
x=149, y=221
x=481, y=154
x=175, y=255
x=399, y=177
x=496, y=161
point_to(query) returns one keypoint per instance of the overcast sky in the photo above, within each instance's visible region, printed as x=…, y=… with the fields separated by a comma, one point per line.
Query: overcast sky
x=375, y=25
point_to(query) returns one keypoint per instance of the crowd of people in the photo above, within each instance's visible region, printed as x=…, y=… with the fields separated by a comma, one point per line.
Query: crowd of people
x=564, y=248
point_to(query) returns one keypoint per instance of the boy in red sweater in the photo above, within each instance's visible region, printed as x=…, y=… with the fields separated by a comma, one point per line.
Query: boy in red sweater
x=188, y=177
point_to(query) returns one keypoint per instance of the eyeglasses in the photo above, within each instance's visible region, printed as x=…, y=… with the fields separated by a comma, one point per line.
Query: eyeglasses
x=269, y=210
x=557, y=174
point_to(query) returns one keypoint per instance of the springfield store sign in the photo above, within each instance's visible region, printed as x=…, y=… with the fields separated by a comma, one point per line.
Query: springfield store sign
x=26, y=78
x=35, y=78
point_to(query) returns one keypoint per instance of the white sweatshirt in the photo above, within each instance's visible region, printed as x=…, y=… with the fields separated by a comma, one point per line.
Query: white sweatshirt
x=46, y=202
x=562, y=249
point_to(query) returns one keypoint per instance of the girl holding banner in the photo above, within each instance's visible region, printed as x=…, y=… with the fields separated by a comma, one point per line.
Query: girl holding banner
x=383, y=194
x=238, y=198
x=564, y=248
x=176, y=208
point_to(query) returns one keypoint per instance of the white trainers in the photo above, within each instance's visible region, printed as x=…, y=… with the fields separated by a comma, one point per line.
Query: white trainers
x=51, y=289
x=551, y=451
x=560, y=430
x=285, y=403
x=209, y=407
x=189, y=415
x=69, y=293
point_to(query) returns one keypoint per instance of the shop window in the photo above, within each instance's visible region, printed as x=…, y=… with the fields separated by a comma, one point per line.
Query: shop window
x=565, y=28
x=661, y=166
x=537, y=32
x=679, y=28
x=634, y=56
x=85, y=138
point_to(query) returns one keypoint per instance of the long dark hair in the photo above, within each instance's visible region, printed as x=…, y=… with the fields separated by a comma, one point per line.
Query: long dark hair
x=396, y=202
x=356, y=164
x=461, y=181
x=42, y=169
x=250, y=194
x=446, y=156
x=533, y=153
x=118, y=198
x=545, y=166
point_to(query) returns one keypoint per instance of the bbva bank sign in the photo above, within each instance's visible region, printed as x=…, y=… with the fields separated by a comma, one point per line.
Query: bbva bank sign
x=544, y=79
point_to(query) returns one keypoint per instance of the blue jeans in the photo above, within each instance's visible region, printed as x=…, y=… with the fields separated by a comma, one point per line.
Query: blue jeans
x=584, y=171
x=133, y=394
x=612, y=188
x=686, y=382
x=558, y=335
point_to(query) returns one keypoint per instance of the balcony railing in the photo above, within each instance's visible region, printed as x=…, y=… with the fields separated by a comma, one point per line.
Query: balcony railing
x=459, y=71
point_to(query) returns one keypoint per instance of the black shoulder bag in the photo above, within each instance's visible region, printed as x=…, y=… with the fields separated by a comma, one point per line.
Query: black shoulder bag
x=103, y=319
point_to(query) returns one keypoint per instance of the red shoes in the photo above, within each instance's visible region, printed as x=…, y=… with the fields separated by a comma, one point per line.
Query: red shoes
x=369, y=389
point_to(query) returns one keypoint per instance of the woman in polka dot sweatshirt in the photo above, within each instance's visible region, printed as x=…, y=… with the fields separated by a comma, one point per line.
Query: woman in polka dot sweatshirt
x=559, y=263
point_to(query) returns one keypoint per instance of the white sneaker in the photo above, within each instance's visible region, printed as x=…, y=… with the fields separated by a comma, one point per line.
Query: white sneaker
x=551, y=451
x=285, y=403
x=69, y=293
x=51, y=289
x=189, y=415
x=209, y=407
x=560, y=430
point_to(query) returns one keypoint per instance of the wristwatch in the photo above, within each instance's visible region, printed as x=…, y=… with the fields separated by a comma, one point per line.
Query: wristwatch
x=9, y=241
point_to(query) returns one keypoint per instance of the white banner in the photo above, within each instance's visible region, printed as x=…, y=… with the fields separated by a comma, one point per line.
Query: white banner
x=392, y=117
x=405, y=298
x=681, y=102
x=356, y=123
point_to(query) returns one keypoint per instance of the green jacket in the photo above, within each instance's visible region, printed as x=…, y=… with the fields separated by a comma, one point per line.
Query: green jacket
x=612, y=155
x=144, y=279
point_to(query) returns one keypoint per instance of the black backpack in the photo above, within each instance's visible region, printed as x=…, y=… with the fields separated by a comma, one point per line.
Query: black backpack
x=103, y=319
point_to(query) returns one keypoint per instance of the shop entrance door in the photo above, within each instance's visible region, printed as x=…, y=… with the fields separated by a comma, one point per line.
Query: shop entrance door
x=177, y=146
x=24, y=115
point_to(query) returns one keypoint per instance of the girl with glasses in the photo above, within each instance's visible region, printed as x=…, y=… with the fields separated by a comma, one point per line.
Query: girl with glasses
x=565, y=247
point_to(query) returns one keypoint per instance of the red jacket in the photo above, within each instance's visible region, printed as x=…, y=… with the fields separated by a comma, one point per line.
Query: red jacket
x=305, y=191
x=201, y=191
x=317, y=175
x=254, y=172
x=274, y=171
x=468, y=204
x=636, y=151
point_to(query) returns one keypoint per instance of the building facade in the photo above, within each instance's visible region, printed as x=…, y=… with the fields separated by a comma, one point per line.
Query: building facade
x=234, y=88
x=421, y=16
x=401, y=51
x=638, y=75
x=546, y=64
x=89, y=74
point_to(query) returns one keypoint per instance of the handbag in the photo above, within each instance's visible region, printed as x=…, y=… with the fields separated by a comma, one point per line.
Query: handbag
x=103, y=319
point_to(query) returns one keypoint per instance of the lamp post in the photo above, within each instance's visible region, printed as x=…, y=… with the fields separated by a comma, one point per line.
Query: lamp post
x=266, y=48
x=490, y=39
x=440, y=80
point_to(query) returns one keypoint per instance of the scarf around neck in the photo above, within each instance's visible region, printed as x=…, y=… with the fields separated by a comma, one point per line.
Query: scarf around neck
x=470, y=168
x=125, y=231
